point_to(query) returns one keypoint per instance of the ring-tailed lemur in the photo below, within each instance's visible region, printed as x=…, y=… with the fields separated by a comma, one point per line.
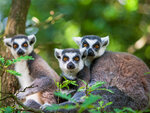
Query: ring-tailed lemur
x=123, y=70
x=94, y=45
x=71, y=62
x=36, y=73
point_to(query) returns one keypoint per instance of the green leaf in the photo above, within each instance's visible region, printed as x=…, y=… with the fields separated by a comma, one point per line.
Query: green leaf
x=94, y=111
x=88, y=101
x=84, y=82
x=64, y=96
x=8, y=110
x=107, y=104
x=2, y=60
x=101, y=103
x=68, y=107
x=8, y=63
x=146, y=73
x=81, y=88
x=125, y=110
x=97, y=85
x=13, y=72
x=22, y=58
x=73, y=83
x=55, y=107
x=67, y=82
x=105, y=90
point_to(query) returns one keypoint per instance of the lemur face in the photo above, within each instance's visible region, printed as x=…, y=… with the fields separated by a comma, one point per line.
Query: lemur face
x=94, y=45
x=20, y=45
x=71, y=61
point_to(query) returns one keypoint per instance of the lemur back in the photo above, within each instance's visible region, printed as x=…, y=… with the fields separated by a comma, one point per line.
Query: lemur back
x=122, y=70
x=36, y=74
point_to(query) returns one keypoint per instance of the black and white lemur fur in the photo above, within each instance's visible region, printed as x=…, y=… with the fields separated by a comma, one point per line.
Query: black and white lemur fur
x=71, y=62
x=121, y=70
x=36, y=73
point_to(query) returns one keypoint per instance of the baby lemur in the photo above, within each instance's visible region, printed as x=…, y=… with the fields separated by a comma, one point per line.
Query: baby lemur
x=36, y=74
x=122, y=70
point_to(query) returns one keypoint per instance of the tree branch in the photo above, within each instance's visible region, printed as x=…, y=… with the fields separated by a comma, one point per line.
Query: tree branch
x=25, y=108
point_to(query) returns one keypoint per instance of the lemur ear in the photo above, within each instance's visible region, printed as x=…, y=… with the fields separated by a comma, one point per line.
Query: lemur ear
x=57, y=53
x=77, y=40
x=105, y=41
x=32, y=39
x=83, y=52
x=7, y=42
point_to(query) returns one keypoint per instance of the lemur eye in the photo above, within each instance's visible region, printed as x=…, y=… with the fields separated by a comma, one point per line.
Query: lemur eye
x=96, y=46
x=76, y=58
x=65, y=59
x=85, y=45
x=15, y=46
x=25, y=45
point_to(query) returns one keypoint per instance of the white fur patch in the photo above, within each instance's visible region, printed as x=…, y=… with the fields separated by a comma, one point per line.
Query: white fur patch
x=25, y=79
x=34, y=97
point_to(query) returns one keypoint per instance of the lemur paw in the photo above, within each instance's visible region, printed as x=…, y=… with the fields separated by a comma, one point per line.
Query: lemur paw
x=44, y=106
x=21, y=96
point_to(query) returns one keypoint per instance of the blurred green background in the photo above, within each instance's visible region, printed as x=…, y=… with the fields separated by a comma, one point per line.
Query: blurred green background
x=55, y=22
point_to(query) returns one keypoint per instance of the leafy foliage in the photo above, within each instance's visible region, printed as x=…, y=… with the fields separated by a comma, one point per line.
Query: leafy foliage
x=65, y=84
x=88, y=102
x=7, y=109
x=89, y=99
x=4, y=64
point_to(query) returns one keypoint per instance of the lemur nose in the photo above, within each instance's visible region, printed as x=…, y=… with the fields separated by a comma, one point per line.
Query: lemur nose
x=90, y=52
x=70, y=65
x=20, y=52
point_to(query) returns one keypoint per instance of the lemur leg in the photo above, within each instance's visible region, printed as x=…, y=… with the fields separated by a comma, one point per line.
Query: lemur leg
x=33, y=104
x=38, y=85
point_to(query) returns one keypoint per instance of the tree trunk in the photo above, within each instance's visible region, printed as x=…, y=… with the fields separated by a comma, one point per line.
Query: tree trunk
x=15, y=25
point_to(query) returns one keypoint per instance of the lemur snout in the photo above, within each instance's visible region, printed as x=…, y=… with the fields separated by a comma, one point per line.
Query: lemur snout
x=70, y=65
x=20, y=52
x=91, y=52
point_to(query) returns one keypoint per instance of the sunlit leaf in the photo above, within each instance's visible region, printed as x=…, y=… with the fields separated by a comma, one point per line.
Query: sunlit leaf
x=55, y=107
x=13, y=72
x=2, y=60
x=97, y=85
x=105, y=90
x=88, y=101
x=146, y=73
x=131, y=5
x=62, y=95
x=107, y=104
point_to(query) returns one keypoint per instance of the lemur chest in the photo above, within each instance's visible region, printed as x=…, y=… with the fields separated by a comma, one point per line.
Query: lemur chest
x=25, y=79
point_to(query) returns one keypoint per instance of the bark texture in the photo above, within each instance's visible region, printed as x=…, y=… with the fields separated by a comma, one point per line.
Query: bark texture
x=15, y=25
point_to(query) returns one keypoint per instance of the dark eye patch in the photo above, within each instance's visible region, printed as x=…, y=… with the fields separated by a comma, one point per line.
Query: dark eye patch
x=85, y=44
x=25, y=45
x=76, y=58
x=96, y=46
x=15, y=45
x=65, y=58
